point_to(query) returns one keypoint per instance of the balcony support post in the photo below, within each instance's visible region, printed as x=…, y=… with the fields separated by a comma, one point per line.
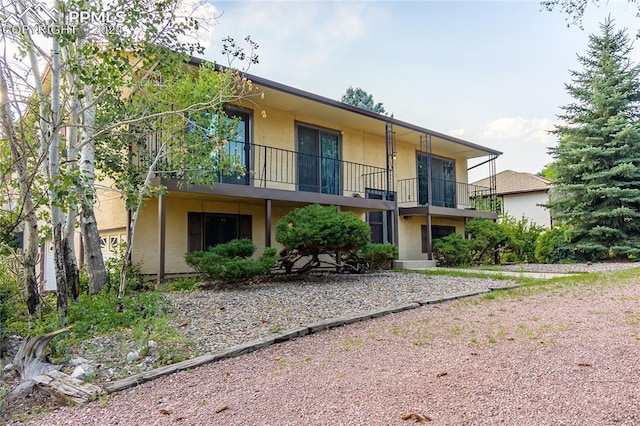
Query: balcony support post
x=267, y=223
x=162, y=222
x=429, y=238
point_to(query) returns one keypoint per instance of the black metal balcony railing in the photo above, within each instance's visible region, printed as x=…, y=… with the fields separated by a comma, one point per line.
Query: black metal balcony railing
x=277, y=168
x=414, y=192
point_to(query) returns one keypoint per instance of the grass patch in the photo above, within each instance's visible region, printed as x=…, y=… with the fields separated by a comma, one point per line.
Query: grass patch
x=469, y=274
x=183, y=284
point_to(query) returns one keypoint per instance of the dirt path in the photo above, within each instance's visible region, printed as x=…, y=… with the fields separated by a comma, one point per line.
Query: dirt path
x=563, y=356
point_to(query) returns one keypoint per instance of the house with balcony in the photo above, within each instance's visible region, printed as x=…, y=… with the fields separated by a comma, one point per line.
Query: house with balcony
x=408, y=182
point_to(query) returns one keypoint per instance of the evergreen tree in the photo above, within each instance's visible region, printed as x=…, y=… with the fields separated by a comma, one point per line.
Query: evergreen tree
x=361, y=99
x=598, y=155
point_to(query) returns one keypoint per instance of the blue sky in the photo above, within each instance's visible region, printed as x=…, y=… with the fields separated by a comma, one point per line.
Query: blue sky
x=492, y=73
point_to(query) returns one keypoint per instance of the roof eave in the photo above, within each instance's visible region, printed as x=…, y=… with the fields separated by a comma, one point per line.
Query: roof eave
x=337, y=104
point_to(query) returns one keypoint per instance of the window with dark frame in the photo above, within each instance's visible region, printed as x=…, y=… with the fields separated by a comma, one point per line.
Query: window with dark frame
x=210, y=229
x=318, y=160
x=238, y=148
x=380, y=222
x=437, y=232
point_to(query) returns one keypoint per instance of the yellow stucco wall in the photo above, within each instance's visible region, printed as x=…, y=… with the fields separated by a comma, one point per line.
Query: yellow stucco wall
x=410, y=234
x=176, y=238
x=146, y=252
x=109, y=208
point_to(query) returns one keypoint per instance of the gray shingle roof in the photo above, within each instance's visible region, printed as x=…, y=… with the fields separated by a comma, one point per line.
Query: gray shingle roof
x=510, y=182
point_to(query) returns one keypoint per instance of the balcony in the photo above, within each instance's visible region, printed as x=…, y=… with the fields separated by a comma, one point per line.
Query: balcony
x=415, y=192
x=281, y=169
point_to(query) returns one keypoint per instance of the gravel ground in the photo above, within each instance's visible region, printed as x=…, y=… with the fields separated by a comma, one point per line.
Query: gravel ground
x=568, y=356
x=216, y=320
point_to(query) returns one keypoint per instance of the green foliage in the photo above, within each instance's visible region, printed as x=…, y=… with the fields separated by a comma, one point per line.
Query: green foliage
x=487, y=203
x=315, y=229
x=548, y=172
x=8, y=239
x=183, y=284
x=102, y=313
x=452, y=250
x=235, y=248
x=113, y=267
x=597, y=186
x=230, y=262
x=12, y=303
x=486, y=239
x=361, y=99
x=522, y=236
x=510, y=240
x=379, y=256
x=553, y=246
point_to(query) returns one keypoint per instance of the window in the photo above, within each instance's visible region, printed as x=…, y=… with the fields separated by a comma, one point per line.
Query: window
x=380, y=222
x=237, y=147
x=210, y=229
x=110, y=241
x=437, y=232
x=318, y=160
x=443, y=180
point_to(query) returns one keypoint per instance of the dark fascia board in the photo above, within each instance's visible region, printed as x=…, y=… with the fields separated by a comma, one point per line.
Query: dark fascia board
x=444, y=211
x=523, y=191
x=337, y=104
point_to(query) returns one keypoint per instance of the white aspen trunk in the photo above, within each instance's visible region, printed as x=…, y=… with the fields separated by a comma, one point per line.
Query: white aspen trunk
x=54, y=170
x=30, y=248
x=73, y=273
x=94, y=261
x=134, y=219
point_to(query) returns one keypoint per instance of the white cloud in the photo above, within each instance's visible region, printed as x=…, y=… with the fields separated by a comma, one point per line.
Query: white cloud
x=527, y=130
x=458, y=133
x=305, y=37
x=524, y=142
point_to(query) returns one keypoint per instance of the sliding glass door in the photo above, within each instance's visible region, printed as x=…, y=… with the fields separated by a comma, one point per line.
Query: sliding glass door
x=318, y=161
x=443, y=181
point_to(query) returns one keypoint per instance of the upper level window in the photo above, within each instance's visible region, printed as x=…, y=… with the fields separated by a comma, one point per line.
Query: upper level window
x=318, y=160
x=234, y=165
x=443, y=180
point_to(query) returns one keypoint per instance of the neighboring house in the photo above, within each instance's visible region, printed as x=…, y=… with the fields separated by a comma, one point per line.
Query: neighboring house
x=408, y=182
x=523, y=194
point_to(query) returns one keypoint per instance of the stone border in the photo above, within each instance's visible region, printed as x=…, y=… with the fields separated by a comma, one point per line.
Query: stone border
x=263, y=342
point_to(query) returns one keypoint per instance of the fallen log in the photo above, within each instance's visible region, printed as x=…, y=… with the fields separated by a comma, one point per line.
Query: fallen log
x=66, y=389
x=30, y=361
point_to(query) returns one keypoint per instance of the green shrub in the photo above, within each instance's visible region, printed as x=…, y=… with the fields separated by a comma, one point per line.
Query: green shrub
x=182, y=284
x=379, y=256
x=12, y=305
x=113, y=266
x=554, y=246
x=231, y=262
x=486, y=239
x=452, y=250
x=315, y=229
x=235, y=248
x=522, y=239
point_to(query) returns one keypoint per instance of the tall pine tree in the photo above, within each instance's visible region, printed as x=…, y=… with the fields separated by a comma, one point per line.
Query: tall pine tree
x=597, y=167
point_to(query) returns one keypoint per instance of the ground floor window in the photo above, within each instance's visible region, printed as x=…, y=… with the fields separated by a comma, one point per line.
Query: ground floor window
x=437, y=231
x=380, y=222
x=210, y=229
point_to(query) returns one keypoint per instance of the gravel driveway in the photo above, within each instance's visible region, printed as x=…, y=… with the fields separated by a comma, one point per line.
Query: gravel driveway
x=568, y=355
